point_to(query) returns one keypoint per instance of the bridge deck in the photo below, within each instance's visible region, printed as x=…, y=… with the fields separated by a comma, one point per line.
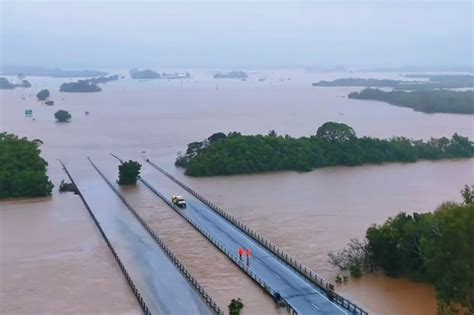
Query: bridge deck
x=163, y=287
x=304, y=296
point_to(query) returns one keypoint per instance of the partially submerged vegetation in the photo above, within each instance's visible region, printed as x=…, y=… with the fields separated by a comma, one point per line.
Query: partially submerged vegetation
x=81, y=86
x=333, y=144
x=235, y=306
x=62, y=116
x=88, y=85
x=435, y=81
x=231, y=75
x=144, y=74
x=129, y=172
x=436, y=247
x=42, y=95
x=22, y=170
x=7, y=85
x=427, y=101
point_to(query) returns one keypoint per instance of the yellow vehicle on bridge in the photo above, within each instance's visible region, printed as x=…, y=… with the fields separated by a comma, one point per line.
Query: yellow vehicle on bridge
x=178, y=201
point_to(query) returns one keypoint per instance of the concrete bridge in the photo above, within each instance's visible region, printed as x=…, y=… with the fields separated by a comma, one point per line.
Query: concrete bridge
x=282, y=276
x=160, y=282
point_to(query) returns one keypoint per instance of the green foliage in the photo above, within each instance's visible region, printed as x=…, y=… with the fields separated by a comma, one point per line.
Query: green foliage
x=62, y=116
x=436, y=247
x=129, y=172
x=22, y=170
x=235, y=306
x=334, y=144
x=427, y=101
x=216, y=137
x=467, y=194
x=332, y=131
x=43, y=95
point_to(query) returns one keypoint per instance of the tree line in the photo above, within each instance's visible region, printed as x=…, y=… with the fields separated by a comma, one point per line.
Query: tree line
x=22, y=170
x=436, y=247
x=427, y=101
x=334, y=144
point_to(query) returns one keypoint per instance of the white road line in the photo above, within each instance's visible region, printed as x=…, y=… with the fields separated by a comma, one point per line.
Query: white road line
x=315, y=306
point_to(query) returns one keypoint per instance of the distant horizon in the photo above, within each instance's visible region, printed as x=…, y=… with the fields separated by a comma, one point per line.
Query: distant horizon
x=315, y=68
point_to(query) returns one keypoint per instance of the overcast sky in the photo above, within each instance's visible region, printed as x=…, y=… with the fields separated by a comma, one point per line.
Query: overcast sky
x=110, y=34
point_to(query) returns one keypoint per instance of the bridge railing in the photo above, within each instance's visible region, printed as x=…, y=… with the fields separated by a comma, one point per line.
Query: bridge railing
x=222, y=248
x=164, y=247
x=304, y=270
x=132, y=285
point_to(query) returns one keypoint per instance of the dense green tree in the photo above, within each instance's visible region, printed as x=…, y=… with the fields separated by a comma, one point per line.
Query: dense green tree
x=334, y=144
x=43, y=95
x=235, y=306
x=22, y=170
x=62, y=116
x=216, y=136
x=129, y=172
x=436, y=247
x=333, y=131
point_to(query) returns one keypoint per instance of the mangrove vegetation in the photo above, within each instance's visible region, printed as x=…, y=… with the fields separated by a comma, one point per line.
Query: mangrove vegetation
x=333, y=144
x=22, y=170
x=436, y=247
x=427, y=101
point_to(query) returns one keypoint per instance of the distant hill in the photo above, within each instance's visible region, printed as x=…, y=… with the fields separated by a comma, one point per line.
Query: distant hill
x=48, y=72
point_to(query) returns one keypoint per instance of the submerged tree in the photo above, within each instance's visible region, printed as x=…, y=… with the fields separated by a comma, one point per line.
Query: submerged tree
x=235, y=306
x=62, y=115
x=129, y=172
x=22, y=170
x=43, y=95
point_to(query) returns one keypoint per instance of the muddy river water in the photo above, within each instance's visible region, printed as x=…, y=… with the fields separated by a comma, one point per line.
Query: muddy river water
x=308, y=214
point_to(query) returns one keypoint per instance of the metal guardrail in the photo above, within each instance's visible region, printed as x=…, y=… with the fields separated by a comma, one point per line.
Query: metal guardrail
x=134, y=289
x=164, y=247
x=304, y=270
x=219, y=246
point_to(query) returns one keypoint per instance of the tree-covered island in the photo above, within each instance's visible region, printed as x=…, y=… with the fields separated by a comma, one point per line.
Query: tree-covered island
x=7, y=85
x=22, y=170
x=431, y=82
x=87, y=85
x=144, y=74
x=435, y=247
x=427, y=101
x=334, y=144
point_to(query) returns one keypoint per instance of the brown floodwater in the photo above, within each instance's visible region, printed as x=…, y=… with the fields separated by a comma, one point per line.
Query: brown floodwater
x=308, y=214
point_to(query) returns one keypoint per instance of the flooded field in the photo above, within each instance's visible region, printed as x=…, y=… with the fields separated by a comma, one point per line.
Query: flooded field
x=308, y=214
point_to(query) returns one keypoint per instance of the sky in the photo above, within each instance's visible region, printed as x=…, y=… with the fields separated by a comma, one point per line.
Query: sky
x=125, y=34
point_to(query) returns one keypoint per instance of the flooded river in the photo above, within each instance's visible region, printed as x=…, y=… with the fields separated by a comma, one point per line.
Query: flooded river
x=308, y=214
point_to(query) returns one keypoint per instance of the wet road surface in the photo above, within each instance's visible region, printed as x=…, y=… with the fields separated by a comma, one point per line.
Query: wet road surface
x=302, y=294
x=163, y=287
